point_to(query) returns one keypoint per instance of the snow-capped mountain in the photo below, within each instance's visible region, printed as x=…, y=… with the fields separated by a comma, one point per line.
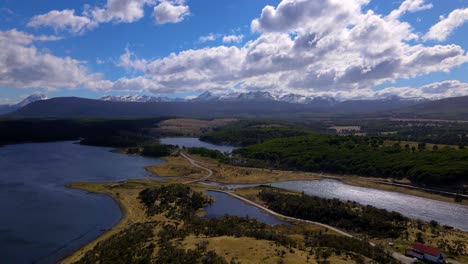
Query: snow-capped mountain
x=293, y=98
x=31, y=99
x=255, y=96
x=139, y=99
x=206, y=97
x=322, y=101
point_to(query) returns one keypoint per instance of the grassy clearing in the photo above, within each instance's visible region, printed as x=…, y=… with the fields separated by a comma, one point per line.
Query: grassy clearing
x=222, y=173
x=250, y=250
x=176, y=166
x=191, y=127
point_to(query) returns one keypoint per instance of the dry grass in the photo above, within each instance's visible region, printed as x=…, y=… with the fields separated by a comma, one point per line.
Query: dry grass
x=222, y=173
x=191, y=127
x=432, y=237
x=251, y=250
x=176, y=166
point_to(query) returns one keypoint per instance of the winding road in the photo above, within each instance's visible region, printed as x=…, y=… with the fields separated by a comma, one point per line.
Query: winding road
x=402, y=258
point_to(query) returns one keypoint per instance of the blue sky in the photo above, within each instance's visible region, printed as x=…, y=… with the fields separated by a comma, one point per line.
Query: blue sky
x=87, y=59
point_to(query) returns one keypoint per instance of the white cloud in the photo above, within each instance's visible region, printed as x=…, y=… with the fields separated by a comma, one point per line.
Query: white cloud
x=120, y=11
x=447, y=25
x=116, y=11
x=207, y=38
x=23, y=66
x=410, y=6
x=233, y=38
x=170, y=12
x=64, y=20
x=129, y=60
x=437, y=90
x=353, y=54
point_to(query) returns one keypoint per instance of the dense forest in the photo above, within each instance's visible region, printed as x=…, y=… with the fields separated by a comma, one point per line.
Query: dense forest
x=99, y=132
x=249, y=132
x=374, y=222
x=364, y=156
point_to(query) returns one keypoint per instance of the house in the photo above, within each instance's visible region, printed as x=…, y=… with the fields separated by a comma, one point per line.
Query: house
x=426, y=253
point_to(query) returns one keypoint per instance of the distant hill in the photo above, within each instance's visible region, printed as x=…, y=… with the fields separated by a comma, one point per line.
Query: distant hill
x=257, y=106
x=449, y=108
x=4, y=109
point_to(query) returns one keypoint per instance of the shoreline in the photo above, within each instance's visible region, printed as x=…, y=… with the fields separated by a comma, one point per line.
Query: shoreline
x=76, y=255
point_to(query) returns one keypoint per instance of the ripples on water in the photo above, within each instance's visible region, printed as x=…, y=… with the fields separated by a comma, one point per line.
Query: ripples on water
x=451, y=214
x=42, y=220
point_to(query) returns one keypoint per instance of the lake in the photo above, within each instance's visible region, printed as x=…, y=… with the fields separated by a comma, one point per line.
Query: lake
x=408, y=205
x=189, y=142
x=42, y=220
x=227, y=205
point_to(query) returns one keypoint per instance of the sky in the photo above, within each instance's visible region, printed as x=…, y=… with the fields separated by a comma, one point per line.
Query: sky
x=354, y=49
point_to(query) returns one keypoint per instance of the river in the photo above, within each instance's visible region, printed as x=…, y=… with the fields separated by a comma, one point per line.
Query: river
x=43, y=221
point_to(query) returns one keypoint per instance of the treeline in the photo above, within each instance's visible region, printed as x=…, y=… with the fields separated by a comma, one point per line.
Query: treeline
x=209, y=153
x=344, y=244
x=246, y=132
x=99, y=132
x=155, y=150
x=132, y=245
x=349, y=216
x=360, y=156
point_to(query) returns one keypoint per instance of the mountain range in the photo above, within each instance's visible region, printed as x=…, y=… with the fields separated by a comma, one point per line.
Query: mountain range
x=13, y=107
x=256, y=96
x=234, y=104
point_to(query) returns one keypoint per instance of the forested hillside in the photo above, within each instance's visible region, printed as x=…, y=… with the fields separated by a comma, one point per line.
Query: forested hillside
x=364, y=156
x=249, y=132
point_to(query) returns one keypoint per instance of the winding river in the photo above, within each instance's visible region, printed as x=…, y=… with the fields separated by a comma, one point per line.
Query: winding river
x=43, y=221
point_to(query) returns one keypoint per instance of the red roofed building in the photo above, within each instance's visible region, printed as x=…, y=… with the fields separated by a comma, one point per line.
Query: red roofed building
x=427, y=253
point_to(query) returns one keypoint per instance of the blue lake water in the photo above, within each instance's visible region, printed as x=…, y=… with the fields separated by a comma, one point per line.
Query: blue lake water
x=189, y=142
x=227, y=205
x=43, y=221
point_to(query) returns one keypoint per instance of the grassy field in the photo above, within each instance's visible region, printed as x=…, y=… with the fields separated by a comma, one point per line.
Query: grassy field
x=191, y=127
x=176, y=166
x=222, y=173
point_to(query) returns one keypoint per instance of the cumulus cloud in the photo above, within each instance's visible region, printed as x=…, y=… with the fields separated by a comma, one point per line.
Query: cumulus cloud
x=233, y=38
x=437, y=90
x=64, y=20
x=410, y=6
x=116, y=11
x=119, y=11
x=170, y=12
x=447, y=25
x=352, y=53
x=23, y=66
x=209, y=37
